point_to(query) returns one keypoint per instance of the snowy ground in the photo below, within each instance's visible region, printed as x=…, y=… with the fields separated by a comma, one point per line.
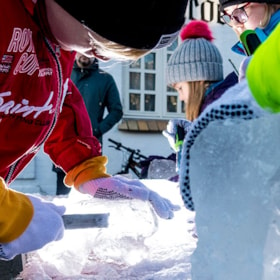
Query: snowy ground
x=136, y=245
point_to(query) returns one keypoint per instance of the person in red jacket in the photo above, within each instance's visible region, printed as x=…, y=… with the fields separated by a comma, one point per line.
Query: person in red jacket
x=39, y=104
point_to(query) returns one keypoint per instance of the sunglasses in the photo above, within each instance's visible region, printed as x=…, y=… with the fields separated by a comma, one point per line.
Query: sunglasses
x=238, y=15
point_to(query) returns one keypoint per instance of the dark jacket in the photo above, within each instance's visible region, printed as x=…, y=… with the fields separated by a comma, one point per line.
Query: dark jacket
x=217, y=90
x=99, y=92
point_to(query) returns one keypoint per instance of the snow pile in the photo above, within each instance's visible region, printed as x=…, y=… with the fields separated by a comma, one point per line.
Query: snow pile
x=136, y=245
x=235, y=179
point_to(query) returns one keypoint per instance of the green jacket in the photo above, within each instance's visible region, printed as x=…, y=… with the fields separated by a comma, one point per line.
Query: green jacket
x=99, y=92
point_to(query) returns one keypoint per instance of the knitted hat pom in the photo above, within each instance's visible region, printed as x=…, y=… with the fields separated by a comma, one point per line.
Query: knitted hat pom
x=196, y=29
x=196, y=58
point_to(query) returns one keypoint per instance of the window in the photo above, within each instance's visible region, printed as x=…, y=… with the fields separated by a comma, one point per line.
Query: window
x=146, y=94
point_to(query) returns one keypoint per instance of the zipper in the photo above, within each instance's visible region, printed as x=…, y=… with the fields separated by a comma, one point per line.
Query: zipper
x=55, y=53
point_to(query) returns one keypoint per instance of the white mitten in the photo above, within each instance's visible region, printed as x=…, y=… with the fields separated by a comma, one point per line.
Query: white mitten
x=45, y=226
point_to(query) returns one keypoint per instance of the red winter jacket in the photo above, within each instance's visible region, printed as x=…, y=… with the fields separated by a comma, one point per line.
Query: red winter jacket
x=38, y=101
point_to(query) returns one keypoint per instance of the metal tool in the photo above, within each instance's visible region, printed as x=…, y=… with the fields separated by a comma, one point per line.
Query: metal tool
x=82, y=221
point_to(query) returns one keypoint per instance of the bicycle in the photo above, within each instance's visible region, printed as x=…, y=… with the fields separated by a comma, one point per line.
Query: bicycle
x=132, y=159
x=140, y=165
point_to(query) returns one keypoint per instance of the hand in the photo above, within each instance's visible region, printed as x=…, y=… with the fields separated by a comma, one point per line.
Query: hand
x=163, y=206
x=119, y=187
x=46, y=226
x=174, y=123
x=171, y=133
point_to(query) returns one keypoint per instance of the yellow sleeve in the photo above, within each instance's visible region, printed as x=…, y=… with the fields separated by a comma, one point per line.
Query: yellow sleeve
x=16, y=212
x=90, y=169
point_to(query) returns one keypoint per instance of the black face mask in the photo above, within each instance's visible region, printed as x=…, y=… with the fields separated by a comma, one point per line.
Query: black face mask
x=147, y=24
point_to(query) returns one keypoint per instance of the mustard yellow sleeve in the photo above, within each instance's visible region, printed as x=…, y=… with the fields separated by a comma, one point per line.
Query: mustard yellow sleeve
x=16, y=212
x=90, y=169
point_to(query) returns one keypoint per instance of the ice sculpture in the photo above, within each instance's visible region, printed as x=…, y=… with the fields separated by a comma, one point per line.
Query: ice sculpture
x=235, y=184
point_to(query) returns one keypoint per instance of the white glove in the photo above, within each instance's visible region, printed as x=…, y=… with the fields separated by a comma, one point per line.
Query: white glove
x=46, y=226
x=243, y=67
x=119, y=187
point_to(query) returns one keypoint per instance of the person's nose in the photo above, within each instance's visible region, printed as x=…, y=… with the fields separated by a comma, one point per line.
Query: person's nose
x=236, y=24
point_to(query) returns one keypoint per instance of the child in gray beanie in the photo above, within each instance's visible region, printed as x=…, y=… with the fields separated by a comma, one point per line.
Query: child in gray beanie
x=195, y=71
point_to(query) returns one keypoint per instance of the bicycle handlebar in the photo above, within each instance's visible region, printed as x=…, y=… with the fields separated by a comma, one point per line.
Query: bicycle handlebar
x=120, y=145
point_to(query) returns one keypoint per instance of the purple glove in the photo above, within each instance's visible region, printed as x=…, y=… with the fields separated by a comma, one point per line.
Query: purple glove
x=243, y=67
x=46, y=226
x=119, y=187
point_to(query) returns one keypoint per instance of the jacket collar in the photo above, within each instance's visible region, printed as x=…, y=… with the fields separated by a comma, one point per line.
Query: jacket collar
x=262, y=33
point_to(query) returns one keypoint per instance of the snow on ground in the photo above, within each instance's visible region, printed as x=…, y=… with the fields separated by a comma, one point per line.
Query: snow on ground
x=137, y=244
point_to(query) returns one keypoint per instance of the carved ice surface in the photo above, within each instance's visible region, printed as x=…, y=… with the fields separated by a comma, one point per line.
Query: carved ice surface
x=162, y=169
x=136, y=245
x=235, y=183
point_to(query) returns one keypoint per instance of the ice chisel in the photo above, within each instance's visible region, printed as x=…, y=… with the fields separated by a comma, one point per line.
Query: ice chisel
x=80, y=221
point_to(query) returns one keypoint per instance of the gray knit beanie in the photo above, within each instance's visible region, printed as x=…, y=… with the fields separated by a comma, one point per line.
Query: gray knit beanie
x=196, y=59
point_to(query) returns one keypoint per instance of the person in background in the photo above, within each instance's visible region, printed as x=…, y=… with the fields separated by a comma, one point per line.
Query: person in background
x=195, y=71
x=260, y=16
x=99, y=92
x=41, y=106
x=263, y=72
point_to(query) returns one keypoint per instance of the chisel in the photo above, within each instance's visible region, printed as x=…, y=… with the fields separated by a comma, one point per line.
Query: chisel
x=82, y=221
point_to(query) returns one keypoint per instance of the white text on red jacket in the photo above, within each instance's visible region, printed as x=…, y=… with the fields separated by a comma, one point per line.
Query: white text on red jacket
x=21, y=42
x=23, y=108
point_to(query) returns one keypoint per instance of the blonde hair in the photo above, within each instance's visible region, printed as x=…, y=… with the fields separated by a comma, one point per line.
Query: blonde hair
x=196, y=95
x=271, y=9
x=122, y=52
x=114, y=50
